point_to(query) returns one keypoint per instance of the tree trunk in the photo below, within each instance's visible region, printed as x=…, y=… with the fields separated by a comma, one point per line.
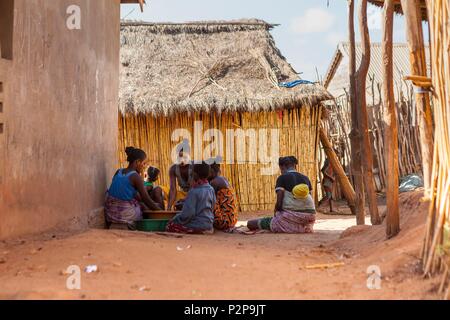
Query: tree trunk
x=390, y=123
x=347, y=188
x=355, y=132
x=414, y=33
x=366, y=145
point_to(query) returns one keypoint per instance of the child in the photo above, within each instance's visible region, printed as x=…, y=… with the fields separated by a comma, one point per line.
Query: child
x=197, y=216
x=122, y=205
x=225, y=210
x=155, y=192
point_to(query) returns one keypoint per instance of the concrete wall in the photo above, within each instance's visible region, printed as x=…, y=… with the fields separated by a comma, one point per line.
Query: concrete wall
x=58, y=146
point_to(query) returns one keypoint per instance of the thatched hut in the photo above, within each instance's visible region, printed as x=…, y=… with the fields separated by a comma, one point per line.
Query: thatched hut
x=227, y=75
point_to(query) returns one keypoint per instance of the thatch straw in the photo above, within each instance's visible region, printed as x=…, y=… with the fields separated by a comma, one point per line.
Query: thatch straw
x=398, y=7
x=206, y=66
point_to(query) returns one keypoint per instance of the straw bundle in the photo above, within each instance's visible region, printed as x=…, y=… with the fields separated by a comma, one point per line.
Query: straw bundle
x=437, y=243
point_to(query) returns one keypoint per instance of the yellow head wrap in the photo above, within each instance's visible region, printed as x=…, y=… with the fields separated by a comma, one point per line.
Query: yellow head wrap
x=301, y=191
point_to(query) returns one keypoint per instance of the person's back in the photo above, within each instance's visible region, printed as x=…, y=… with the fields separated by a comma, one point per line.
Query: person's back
x=121, y=187
x=305, y=205
x=197, y=215
x=289, y=180
x=198, y=208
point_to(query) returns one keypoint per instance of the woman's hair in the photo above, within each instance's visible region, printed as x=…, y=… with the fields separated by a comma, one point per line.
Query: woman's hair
x=288, y=161
x=215, y=163
x=215, y=167
x=202, y=170
x=152, y=173
x=134, y=154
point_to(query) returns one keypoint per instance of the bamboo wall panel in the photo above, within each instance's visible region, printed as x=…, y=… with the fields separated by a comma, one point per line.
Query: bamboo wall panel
x=298, y=136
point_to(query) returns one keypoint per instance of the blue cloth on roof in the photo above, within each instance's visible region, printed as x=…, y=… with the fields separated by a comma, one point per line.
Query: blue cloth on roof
x=295, y=83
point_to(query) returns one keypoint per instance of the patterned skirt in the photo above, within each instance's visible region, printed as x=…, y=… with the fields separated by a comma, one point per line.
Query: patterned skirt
x=225, y=210
x=292, y=222
x=122, y=212
x=178, y=228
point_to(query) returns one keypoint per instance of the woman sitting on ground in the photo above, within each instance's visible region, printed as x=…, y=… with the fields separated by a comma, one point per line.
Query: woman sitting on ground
x=225, y=209
x=122, y=205
x=295, y=209
x=155, y=192
x=197, y=216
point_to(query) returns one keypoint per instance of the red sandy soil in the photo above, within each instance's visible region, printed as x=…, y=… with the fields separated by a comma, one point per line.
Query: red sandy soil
x=135, y=265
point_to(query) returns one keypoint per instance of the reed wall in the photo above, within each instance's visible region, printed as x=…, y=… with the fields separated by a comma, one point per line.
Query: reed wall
x=298, y=135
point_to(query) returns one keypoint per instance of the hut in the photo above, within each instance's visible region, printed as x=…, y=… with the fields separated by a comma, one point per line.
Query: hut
x=222, y=75
x=337, y=82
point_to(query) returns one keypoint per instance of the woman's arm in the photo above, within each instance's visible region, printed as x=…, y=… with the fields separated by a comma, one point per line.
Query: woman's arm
x=280, y=198
x=138, y=183
x=173, y=188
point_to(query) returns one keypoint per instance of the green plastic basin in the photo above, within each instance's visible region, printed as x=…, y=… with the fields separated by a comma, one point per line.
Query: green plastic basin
x=152, y=225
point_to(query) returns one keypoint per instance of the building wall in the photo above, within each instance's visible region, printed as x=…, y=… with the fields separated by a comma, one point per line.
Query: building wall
x=340, y=83
x=297, y=135
x=58, y=146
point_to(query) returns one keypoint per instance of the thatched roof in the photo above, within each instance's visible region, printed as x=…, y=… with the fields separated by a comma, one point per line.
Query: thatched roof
x=206, y=66
x=398, y=7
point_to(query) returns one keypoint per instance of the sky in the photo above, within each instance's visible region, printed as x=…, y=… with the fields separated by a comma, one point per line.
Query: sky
x=309, y=30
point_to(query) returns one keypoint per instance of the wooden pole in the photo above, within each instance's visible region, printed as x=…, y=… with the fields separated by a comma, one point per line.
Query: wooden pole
x=141, y=4
x=355, y=133
x=347, y=188
x=414, y=34
x=390, y=123
x=366, y=145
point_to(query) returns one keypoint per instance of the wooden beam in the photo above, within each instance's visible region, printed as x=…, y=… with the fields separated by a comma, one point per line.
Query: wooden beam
x=347, y=188
x=414, y=34
x=355, y=140
x=141, y=4
x=390, y=123
x=366, y=144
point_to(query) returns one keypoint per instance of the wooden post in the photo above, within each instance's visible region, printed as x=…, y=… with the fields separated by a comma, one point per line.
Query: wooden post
x=414, y=34
x=390, y=123
x=347, y=188
x=355, y=133
x=366, y=145
x=141, y=4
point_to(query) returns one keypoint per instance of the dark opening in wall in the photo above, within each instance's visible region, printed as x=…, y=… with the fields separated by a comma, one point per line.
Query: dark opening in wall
x=6, y=28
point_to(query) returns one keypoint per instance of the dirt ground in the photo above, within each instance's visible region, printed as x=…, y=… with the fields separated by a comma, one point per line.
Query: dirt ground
x=133, y=265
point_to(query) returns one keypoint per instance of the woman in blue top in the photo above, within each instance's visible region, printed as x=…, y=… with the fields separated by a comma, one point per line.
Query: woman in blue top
x=122, y=205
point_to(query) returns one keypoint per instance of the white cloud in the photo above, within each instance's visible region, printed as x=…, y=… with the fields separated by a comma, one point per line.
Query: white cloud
x=314, y=20
x=374, y=18
x=333, y=38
